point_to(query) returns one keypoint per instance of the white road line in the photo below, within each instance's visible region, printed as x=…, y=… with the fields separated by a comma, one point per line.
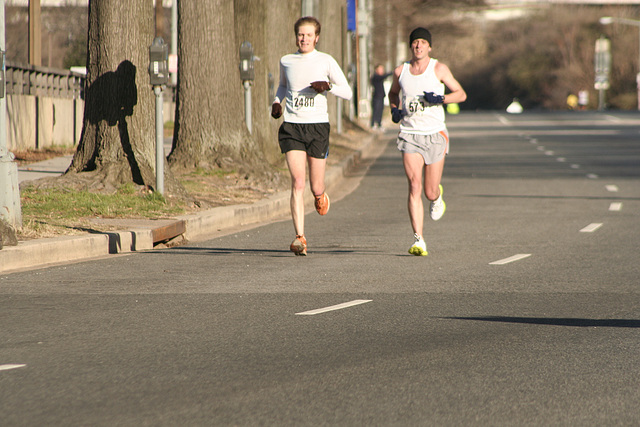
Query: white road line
x=561, y=159
x=540, y=148
x=517, y=257
x=549, y=153
x=617, y=206
x=575, y=166
x=591, y=227
x=334, y=307
x=7, y=367
x=611, y=188
x=592, y=176
x=503, y=120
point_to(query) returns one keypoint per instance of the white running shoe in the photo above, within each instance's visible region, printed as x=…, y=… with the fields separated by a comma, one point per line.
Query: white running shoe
x=438, y=207
x=419, y=247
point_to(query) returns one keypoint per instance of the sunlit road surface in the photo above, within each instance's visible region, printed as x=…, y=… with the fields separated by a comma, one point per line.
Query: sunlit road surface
x=525, y=312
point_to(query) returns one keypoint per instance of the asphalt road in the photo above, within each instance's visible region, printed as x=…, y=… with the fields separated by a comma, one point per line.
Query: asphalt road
x=525, y=312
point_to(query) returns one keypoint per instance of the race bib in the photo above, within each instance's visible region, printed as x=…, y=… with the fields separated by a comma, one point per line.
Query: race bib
x=303, y=101
x=416, y=106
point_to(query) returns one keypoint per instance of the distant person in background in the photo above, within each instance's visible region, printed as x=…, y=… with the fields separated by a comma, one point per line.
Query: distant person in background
x=377, y=100
x=572, y=101
x=583, y=99
x=423, y=137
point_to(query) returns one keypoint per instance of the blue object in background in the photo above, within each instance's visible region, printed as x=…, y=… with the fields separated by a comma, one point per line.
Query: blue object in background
x=351, y=15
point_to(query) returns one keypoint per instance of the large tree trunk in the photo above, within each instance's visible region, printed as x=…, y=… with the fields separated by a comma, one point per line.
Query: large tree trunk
x=269, y=29
x=209, y=129
x=117, y=145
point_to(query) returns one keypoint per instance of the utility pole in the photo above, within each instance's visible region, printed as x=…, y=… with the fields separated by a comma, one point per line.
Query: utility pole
x=606, y=20
x=174, y=41
x=9, y=190
x=35, y=33
x=363, y=34
x=602, y=68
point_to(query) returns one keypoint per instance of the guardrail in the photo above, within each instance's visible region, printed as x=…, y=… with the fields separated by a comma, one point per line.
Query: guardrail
x=52, y=82
x=43, y=81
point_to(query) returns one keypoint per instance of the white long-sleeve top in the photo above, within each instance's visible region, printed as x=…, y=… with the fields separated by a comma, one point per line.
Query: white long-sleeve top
x=297, y=72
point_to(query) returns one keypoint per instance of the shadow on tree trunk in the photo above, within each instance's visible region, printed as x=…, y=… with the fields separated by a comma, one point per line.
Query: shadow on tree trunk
x=113, y=97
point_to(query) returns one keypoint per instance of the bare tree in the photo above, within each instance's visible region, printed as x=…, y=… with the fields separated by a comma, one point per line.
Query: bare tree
x=269, y=29
x=118, y=136
x=209, y=128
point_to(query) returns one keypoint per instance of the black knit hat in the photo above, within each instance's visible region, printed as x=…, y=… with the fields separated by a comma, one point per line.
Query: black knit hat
x=420, y=33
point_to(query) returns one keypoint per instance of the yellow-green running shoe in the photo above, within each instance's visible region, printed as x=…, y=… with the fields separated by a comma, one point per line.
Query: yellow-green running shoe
x=419, y=247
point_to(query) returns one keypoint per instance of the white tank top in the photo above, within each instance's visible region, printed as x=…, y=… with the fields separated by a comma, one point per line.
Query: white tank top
x=419, y=116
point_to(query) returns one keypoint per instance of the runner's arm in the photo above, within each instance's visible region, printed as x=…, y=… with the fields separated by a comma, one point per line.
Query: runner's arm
x=340, y=85
x=457, y=94
x=282, y=88
x=394, y=92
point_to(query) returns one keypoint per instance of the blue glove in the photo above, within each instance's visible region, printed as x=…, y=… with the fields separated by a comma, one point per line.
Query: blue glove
x=396, y=115
x=433, y=99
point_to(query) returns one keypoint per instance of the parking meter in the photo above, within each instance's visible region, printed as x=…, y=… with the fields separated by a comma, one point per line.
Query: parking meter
x=158, y=62
x=247, y=72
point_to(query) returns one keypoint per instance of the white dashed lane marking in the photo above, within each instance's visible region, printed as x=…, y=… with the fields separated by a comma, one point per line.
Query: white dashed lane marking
x=517, y=257
x=616, y=206
x=591, y=227
x=7, y=367
x=612, y=188
x=334, y=307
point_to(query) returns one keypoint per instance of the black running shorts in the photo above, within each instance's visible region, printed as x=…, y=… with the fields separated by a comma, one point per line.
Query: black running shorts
x=310, y=137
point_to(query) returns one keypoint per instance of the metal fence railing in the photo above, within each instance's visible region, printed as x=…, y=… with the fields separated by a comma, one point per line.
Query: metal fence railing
x=43, y=81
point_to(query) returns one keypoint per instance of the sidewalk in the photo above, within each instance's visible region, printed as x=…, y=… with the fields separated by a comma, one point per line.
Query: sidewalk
x=143, y=235
x=46, y=168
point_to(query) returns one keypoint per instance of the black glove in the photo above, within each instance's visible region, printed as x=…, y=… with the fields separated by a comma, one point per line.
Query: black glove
x=321, y=86
x=276, y=110
x=433, y=99
x=396, y=115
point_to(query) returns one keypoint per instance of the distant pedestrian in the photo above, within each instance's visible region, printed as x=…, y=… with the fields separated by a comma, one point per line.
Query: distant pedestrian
x=572, y=101
x=423, y=137
x=583, y=99
x=305, y=79
x=377, y=99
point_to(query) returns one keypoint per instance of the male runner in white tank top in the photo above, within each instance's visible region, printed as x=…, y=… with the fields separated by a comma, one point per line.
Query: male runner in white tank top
x=423, y=137
x=305, y=78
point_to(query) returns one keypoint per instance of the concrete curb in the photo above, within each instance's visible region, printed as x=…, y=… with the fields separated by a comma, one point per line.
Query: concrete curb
x=45, y=252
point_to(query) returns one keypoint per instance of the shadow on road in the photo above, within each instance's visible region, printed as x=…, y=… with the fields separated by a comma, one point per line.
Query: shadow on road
x=190, y=250
x=557, y=321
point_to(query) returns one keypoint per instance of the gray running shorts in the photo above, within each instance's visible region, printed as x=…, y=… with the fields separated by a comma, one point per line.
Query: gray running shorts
x=432, y=147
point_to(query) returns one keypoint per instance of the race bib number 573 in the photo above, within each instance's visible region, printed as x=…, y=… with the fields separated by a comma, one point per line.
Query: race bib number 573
x=416, y=106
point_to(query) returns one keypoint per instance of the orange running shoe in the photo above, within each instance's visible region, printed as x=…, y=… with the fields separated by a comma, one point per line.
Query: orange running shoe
x=322, y=204
x=299, y=246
